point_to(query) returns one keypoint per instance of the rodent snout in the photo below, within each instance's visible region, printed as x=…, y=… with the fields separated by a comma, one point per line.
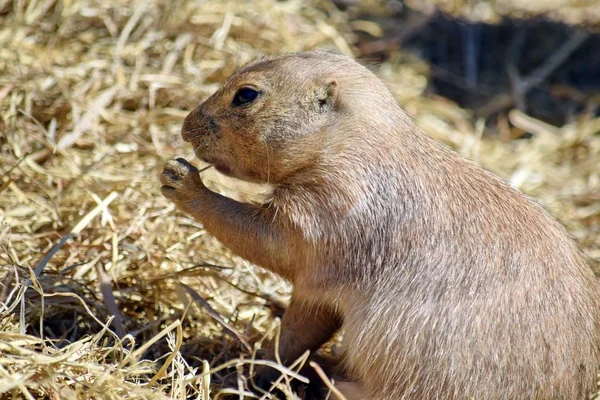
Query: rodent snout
x=196, y=125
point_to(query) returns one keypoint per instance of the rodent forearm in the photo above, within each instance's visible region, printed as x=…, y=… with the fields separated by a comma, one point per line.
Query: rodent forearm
x=249, y=231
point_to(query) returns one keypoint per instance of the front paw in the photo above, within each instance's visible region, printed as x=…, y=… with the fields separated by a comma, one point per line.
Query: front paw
x=180, y=181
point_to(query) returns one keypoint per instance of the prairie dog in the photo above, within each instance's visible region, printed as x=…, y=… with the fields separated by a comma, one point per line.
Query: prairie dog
x=448, y=283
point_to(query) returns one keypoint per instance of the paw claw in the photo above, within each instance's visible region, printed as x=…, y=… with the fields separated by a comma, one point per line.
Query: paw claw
x=179, y=179
x=183, y=161
x=171, y=175
x=167, y=191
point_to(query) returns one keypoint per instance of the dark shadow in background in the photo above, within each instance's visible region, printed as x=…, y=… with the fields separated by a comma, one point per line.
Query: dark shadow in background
x=548, y=69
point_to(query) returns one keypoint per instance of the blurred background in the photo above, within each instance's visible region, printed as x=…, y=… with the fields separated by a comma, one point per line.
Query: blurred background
x=107, y=291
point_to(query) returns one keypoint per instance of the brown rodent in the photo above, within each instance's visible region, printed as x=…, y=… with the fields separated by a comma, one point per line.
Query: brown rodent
x=447, y=282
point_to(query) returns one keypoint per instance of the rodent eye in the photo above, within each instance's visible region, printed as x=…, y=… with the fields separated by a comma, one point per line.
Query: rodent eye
x=244, y=96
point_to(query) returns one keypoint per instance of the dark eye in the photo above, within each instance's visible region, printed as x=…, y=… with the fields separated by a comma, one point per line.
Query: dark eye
x=244, y=96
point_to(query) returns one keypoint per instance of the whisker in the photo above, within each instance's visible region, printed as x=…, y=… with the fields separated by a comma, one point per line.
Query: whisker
x=268, y=163
x=195, y=136
x=198, y=146
x=192, y=130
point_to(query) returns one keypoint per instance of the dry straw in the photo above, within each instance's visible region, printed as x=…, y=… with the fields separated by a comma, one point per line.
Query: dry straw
x=108, y=292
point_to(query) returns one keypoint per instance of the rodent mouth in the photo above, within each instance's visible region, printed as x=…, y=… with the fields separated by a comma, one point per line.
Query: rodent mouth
x=225, y=170
x=219, y=166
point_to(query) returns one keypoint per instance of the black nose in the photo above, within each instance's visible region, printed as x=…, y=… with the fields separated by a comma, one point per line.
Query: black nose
x=197, y=124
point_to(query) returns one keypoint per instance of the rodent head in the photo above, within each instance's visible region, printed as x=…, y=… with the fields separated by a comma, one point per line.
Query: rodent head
x=269, y=119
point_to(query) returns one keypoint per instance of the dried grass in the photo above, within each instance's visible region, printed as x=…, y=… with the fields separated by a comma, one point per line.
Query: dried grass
x=106, y=291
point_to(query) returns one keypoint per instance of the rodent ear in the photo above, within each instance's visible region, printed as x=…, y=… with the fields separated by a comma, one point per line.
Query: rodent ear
x=327, y=95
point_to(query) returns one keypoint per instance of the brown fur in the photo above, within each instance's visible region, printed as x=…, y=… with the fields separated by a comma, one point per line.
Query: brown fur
x=448, y=283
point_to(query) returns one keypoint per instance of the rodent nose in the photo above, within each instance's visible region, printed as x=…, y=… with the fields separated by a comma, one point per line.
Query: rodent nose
x=197, y=124
x=190, y=127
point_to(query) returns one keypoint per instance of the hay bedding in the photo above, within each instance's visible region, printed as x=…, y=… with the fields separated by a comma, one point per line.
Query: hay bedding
x=107, y=291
